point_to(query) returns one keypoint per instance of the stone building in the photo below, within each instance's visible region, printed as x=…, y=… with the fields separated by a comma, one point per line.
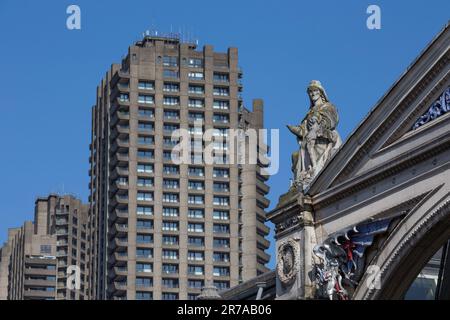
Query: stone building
x=162, y=230
x=365, y=220
x=35, y=259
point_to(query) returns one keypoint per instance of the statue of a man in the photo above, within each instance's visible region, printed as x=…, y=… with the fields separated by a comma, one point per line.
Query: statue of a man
x=316, y=135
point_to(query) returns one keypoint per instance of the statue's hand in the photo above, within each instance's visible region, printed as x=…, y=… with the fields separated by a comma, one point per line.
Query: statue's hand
x=295, y=130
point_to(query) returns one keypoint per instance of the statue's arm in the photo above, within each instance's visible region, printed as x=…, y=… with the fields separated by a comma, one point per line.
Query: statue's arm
x=297, y=130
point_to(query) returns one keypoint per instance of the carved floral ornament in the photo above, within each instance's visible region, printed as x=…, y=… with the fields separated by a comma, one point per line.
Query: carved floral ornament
x=440, y=107
x=288, y=261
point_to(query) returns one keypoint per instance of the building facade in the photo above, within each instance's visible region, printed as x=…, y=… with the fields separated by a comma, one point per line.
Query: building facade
x=162, y=229
x=35, y=259
x=372, y=221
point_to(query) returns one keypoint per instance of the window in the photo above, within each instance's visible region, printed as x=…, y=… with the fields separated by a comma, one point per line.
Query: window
x=145, y=168
x=169, y=296
x=221, y=271
x=196, y=227
x=197, y=89
x=170, y=268
x=195, y=130
x=146, y=85
x=195, y=62
x=221, y=257
x=144, y=253
x=171, y=114
x=144, y=267
x=170, y=212
x=220, y=173
x=46, y=249
x=196, y=270
x=196, y=199
x=142, y=98
x=169, y=142
x=171, y=184
x=221, y=201
x=171, y=101
x=146, y=154
x=196, y=185
x=170, y=254
x=144, y=295
x=221, y=187
x=170, y=197
x=196, y=171
x=169, y=128
x=144, y=238
x=170, y=61
x=124, y=97
x=221, y=215
x=221, y=77
x=196, y=213
x=169, y=226
x=220, y=118
x=145, y=196
x=144, y=282
x=221, y=285
x=221, y=104
x=145, y=126
x=221, y=228
x=146, y=113
x=171, y=87
x=196, y=255
x=196, y=75
x=170, y=240
x=170, y=169
x=192, y=296
x=146, y=140
x=144, y=224
x=221, y=243
x=196, y=116
x=170, y=74
x=145, y=182
x=196, y=103
x=142, y=210
x=197, y=284
x=221, y=91
x=196, y=241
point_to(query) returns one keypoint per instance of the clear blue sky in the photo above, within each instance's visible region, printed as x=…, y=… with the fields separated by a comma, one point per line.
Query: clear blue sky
x=49, y=74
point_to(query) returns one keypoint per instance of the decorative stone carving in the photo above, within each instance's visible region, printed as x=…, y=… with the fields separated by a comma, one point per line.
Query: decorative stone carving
x=316, y=135
x=342, y=259
x=288, y=261
x=437, y=109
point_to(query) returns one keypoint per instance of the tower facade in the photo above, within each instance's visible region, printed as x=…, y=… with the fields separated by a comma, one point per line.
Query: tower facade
x=162, y=229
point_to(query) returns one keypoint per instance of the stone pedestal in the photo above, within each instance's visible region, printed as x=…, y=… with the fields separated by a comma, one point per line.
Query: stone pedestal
x=295, y=239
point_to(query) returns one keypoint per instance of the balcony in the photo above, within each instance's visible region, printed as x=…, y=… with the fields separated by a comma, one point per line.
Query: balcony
x=120, y=285
x=62, y=222
x=118, y=172
x=118, y=215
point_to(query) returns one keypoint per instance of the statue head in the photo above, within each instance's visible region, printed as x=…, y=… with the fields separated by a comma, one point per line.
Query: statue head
x=316, y=93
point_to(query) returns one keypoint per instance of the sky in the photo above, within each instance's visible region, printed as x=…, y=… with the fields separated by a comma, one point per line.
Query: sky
x=49, y=74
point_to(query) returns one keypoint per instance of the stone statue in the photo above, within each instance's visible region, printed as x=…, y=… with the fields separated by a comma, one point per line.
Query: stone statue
x=316, y=135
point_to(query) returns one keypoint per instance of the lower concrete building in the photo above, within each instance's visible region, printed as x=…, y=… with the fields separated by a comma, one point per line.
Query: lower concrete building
x=39, y=256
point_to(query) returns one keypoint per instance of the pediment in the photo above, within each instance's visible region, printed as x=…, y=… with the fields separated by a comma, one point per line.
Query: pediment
x=405, y=121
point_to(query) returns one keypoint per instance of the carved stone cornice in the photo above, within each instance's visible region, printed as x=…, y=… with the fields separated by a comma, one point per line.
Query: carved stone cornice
x=396, y=165
x=419, y=88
